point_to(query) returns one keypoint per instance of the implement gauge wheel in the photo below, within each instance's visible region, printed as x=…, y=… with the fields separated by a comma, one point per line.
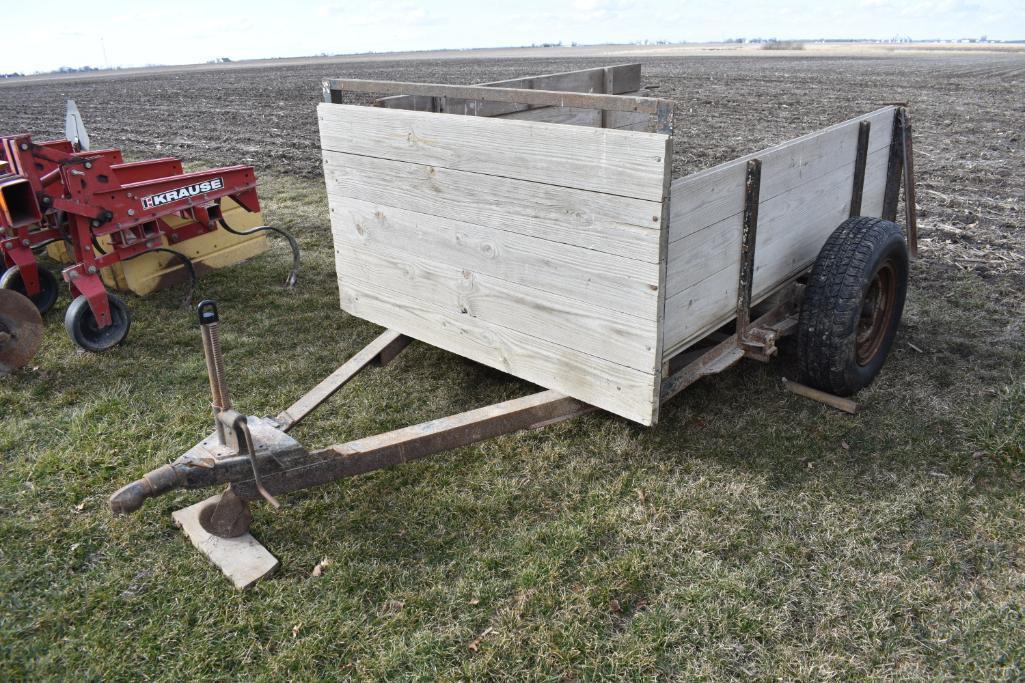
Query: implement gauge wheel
x=81, y=326
x=48, y=289
x=852, y=305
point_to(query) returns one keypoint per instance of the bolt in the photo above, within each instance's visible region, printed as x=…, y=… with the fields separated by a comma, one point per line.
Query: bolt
x=25, y=243
x=95, y=223
x=24, y=147
x=88, y=164
x=91, y=270
x=131, y=212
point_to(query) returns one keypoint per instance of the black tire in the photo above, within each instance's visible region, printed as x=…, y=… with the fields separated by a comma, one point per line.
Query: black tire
x=48, y=289
x=852, y=305
x=81, y=326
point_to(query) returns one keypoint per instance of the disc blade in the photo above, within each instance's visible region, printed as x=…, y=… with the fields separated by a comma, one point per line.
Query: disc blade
x=21, y=330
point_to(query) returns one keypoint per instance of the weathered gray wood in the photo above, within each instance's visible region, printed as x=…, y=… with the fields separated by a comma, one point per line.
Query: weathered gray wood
x=626, y=78
x=242, y=559
x=805, y=193
x=794, y=217
x=576, y=157
x=617, y=337
x=294, y=414
x=616, y=120
x=701, y=286
x=616, y=388
x=544, y=98
x=617, y=225
x=626, y=285
x=710, y=196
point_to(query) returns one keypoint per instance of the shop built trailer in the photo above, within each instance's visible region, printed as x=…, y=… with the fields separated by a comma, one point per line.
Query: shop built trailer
x=534, y=226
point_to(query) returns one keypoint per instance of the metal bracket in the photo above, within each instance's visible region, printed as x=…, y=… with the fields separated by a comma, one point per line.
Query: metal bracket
x=860, y=160
x=748, y=237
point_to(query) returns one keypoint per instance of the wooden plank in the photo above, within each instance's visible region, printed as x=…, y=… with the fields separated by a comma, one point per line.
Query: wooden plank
x=567, y=116
x=792, y=229
x=626, y=78
x=621, y=390
x=544, y=98
x=589, y=329
x=793, y=219
x=294, y=414
x=599, y=160
x=625, y=285
x=617, y=120
x=709, y=196
x=243, y=560
x=616, y=225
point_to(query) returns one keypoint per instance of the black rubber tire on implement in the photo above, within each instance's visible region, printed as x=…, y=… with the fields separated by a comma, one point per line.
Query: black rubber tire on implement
x=48, y=289
x=852, y=305
x=80, y=324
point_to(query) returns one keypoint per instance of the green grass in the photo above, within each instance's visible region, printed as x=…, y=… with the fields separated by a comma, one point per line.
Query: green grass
x=751, y=534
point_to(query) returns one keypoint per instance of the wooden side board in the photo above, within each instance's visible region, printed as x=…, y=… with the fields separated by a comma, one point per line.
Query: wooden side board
x=806, y=189
x=569, y=157
x=614, y=225
x=612, y=80
x=534, y=248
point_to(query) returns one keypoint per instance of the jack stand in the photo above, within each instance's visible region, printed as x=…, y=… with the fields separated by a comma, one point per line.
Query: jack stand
x=219, y=525
x=240, y=557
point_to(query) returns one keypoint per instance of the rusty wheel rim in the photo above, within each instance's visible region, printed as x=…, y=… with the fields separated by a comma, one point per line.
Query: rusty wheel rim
x=876, y=310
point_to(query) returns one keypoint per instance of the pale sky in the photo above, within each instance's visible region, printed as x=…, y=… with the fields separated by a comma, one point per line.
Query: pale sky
x=45, y=35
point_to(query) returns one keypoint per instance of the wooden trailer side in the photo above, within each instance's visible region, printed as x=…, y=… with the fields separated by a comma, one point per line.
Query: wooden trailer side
x=534, y=248
x=806, y=190
x=620, y=79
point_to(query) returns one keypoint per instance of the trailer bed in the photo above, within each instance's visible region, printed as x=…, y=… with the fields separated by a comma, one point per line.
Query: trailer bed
x=545, y=237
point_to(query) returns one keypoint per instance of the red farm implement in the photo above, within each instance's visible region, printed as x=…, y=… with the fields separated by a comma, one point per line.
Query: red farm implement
x=104, y=212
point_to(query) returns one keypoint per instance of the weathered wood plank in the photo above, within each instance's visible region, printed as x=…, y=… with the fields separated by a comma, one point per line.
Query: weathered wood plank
x=617, y=120
x=792, y=228
x=710, y=196
x=543, y=98
x=594, y=159
x=626, y=78
x=309, y=402
x=613, y=387
x=589, y=329
x=617, y=225
x=788, y=219
x=607, y=280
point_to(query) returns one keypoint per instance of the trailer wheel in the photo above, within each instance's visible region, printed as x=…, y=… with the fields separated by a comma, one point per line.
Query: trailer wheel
x=48, y=290
x=81, y=326
x=852, y=305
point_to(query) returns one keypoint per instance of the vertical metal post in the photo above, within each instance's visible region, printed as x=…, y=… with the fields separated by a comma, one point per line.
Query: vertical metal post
x=860, y=159
x=910, y=210
x=748, y=235
x=220, y=400
x=894, y=167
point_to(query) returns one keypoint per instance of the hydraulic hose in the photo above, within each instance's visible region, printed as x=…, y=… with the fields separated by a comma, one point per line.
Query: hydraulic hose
x=293, y=276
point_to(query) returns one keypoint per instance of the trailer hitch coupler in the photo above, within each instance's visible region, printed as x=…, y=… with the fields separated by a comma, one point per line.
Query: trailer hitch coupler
x=130, y=498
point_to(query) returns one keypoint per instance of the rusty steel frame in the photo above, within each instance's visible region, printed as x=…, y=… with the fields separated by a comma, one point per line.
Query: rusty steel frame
x=901, y=166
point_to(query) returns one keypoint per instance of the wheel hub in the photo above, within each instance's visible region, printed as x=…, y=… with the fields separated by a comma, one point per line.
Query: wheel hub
x=876, y=309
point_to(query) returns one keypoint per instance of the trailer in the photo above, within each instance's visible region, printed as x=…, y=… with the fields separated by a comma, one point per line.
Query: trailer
x=534, y=226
